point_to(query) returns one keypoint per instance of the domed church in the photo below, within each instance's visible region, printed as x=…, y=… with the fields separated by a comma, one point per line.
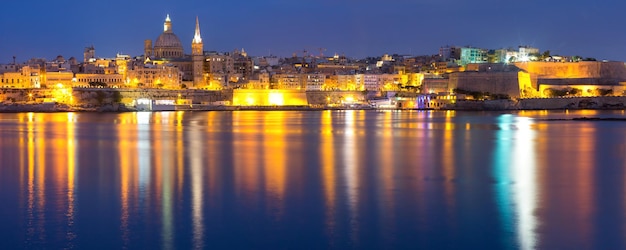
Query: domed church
x=168, y=49
x=167, y=45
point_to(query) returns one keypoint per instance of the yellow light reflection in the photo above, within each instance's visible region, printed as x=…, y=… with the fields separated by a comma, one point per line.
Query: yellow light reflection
x=30, y=210
x=248, y=151
x=197, y=186
x=275, y=160
x=71, y=173
x=387, y=163
x=448, y=158
x=350, y=170
x=327, y=150
x=165, y=167
x=180, y=157
x=125, y=174
x=40, y=173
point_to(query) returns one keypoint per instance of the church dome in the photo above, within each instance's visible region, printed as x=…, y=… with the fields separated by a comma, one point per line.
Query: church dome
x=168, y=40
x=168, y=45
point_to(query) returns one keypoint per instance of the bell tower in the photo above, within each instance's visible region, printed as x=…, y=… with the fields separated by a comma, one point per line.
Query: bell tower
x=197, y=55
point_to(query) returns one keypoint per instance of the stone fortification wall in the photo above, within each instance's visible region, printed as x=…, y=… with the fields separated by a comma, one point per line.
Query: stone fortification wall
x=334, y=97
x=552, y=70
x=492, y=82
x=23, y=95
x=96, y=96
x=126, y=96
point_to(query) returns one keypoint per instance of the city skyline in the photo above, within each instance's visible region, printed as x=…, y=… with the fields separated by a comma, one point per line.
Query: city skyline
x=357, y=29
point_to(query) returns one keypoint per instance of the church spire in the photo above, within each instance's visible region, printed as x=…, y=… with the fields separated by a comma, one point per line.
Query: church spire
x=167, y=26
x=197, y=38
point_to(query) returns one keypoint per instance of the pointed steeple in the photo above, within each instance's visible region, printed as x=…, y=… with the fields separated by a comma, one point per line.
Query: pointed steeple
x=197, y=38
x=167, y=26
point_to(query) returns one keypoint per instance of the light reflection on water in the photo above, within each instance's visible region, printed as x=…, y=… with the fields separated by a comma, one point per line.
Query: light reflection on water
x=516, y=184
x=329, y=179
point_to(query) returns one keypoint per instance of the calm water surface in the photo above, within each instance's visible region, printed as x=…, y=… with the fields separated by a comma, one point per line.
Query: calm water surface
x=313, y=180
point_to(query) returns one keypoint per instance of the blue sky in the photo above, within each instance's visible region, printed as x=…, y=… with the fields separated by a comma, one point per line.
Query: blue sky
x=44, y=28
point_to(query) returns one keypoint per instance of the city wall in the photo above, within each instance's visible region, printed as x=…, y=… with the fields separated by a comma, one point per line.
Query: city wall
x=129, y=95
x=492, y=82
x=335, y=97
x=556, y=70
x=94, y=97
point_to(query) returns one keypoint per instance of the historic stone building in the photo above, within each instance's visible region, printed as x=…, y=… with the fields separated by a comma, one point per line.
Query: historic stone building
x=168, y=50
x=167, y=45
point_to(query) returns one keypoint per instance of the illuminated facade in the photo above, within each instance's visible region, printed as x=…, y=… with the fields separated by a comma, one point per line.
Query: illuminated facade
x=84, y=80
x=155, y=76
x=27, y=77
x=288, y=81
x=473, y=55
x=314, y=82
x=63, y=78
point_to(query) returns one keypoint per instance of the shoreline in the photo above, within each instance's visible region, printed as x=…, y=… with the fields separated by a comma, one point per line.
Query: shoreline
x=118, y=108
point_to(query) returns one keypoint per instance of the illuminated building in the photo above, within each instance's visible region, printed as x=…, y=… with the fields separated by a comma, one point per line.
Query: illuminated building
x=505, y=55
x=372, y=82
x=26, y=77
x=472, y=55
x=218, y=68
x=122, y=64
x=314, y=82
x=288, y=81
x=87, y=80
x=526, y=53
x=64, y=78
x=242, y=65
x=345, y=82
x=168, y=50
x=155, y=76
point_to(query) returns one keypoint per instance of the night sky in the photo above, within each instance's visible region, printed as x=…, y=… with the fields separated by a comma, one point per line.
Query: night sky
x=45, y=28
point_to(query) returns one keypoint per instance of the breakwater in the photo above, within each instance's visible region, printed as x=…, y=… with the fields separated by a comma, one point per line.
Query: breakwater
x=603, y=102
